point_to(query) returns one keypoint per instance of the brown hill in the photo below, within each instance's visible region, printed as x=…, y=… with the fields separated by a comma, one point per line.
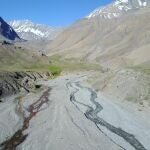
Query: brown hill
x=112, y=43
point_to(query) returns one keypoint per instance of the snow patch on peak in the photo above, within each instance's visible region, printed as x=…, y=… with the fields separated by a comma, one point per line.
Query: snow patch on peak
x=33, y=31
x=117, y=8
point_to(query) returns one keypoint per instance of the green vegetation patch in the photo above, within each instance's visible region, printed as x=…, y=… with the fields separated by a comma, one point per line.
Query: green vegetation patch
x=56, y=70
x=72, y=64
x=24, y=60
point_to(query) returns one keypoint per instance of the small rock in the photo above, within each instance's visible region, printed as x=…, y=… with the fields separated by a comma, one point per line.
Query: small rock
x=38, y=86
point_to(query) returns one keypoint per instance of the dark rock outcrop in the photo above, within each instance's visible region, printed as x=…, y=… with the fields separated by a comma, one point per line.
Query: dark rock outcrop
x=12, y=82
x=7, y=31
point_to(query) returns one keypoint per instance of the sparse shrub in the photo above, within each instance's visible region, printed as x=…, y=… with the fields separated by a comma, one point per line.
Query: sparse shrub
x=55, y=70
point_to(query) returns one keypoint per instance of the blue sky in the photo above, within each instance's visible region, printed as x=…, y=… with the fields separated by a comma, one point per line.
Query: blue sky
x=51, y=12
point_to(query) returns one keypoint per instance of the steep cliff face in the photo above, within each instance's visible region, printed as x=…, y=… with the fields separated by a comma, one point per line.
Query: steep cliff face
x=7, y=31
x=12, y=83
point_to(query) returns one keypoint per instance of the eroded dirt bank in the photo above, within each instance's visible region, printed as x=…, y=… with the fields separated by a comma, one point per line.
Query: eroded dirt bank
x=12, y=82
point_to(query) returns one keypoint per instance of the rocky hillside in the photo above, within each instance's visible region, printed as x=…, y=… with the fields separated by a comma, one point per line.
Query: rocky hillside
x=14, y=58
x=28, y=30
x=14, y=82
x=112, y=42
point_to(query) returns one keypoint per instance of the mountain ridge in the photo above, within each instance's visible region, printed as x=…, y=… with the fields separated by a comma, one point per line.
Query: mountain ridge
x=7, y=32
x=117, y=8
x=33, y=31
x=108, y=42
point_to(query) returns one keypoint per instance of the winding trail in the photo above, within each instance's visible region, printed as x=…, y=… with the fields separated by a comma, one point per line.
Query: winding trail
x=91, y=114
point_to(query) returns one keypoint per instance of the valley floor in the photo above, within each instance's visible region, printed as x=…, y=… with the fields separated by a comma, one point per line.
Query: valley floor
x=69, y=115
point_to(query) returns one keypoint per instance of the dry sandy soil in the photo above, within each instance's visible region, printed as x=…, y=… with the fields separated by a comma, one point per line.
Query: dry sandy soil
x=68, y=114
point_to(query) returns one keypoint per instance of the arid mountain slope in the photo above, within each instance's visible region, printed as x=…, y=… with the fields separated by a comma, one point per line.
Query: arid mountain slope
x=110, y=42
x=118, y=8
x=16, y=58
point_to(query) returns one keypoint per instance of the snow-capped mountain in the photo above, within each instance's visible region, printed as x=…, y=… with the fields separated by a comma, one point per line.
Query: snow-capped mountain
x=117, y=8
x=7, y=32
x=28, y=30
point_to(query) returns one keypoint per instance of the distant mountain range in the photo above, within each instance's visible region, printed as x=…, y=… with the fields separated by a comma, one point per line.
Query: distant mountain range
x=118, y=8
x=7, y=32
x=28, y=30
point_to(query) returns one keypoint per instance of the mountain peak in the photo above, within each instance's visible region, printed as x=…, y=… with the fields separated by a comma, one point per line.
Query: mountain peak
x=117, y=8
x=7, y=31
x=1, y=19
x=33, y=31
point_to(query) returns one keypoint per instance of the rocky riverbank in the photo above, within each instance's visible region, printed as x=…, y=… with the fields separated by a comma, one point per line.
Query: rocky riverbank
x=13, y=82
